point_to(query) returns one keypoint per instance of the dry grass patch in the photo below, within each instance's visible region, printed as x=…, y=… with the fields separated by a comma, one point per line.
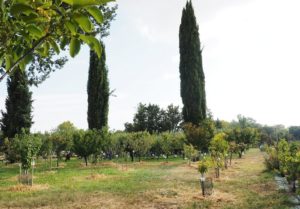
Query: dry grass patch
x=96, y=176
x=28, y=188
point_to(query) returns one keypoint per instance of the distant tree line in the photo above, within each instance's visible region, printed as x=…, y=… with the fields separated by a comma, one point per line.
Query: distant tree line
x=153, y=119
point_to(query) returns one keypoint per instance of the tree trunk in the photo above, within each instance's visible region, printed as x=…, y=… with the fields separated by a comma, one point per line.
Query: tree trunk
x=132, y=156
x=293, y=186
x=217, y=170
x=85, y=160
x=230, y=157
x=240, y=154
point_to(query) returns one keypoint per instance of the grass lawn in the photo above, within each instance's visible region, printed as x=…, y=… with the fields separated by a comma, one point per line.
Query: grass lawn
x=150, y=184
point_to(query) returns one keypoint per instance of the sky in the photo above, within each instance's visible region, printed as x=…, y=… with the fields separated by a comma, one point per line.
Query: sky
x=251, y=63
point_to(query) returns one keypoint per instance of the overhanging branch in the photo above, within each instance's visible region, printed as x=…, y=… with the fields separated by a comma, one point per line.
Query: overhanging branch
x=36, y=45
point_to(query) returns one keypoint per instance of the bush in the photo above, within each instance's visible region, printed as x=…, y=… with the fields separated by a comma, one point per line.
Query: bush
x=271, y=160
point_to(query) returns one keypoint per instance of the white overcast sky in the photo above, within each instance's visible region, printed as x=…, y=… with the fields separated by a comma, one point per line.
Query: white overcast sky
x=251, y=62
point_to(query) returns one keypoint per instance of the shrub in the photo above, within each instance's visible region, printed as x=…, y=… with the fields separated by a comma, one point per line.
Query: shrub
x=271, y=160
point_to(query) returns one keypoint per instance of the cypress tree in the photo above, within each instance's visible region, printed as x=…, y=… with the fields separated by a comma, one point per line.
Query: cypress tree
x=191, y=69
x=18, y=105
x=98, y=91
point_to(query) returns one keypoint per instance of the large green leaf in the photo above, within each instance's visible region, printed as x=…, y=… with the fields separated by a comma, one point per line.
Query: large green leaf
x=35, y=31
x=54, y=45
x=8, y=61
x=17, y=9
x=1, y=4
x=74, y=47
x=93, y=43
x=63, y=43
x=72, y=27
x=70, y=2
x=28, y=59
x=33, y=18
x=96, y=13
x=46, y=47
x=84, y=22
x=85, y=3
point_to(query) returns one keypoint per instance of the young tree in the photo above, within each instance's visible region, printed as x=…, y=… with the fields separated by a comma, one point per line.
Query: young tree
x=166, y=144
x=142, y=142
x=86, y=143
x=218, y=149
x=18, y=106
x=190, y=152
x=293, y=168
x=62, y=138
x=191, y=68
x=283, y=156
x=27, y=146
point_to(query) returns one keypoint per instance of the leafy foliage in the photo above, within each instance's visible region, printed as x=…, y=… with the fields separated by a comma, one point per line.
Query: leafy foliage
x=190, y=152
x=86, y=143
x=27, y=146
x=153, y=119
x=39, y=26
x=18, y=106
x=218, y=150
x=62, y=138
x=200, y=136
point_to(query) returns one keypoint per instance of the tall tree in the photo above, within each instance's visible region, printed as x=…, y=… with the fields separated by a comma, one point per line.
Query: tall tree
x=18, y=106
x=98, y=91
x=191, y=69
x=154, y=119
x=98, y=84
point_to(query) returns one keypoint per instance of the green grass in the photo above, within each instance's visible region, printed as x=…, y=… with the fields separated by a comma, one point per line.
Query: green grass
x=149, y=184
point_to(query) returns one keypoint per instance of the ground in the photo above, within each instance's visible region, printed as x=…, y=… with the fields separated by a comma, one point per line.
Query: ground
x=149, y=184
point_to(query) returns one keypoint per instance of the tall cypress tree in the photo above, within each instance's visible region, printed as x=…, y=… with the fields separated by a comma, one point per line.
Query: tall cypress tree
x=18, y=105
x=98, y=84
x=191, y=69
x=98, y=91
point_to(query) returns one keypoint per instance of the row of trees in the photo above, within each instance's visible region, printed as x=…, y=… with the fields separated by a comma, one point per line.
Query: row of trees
x=91, y=144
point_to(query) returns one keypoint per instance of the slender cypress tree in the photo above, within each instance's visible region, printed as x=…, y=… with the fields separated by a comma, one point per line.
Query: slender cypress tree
x=191, y=69
x=98, y=84
x=18, y=106
x=98, y=91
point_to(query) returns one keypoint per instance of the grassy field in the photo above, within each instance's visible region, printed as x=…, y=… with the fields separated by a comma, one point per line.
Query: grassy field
x=151, y=184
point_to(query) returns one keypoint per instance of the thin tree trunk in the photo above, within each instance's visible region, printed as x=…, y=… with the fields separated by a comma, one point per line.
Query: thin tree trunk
x=86, y=162
x=131, y=155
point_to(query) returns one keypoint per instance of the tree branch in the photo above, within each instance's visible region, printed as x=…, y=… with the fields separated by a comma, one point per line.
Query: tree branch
x=12, y=68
